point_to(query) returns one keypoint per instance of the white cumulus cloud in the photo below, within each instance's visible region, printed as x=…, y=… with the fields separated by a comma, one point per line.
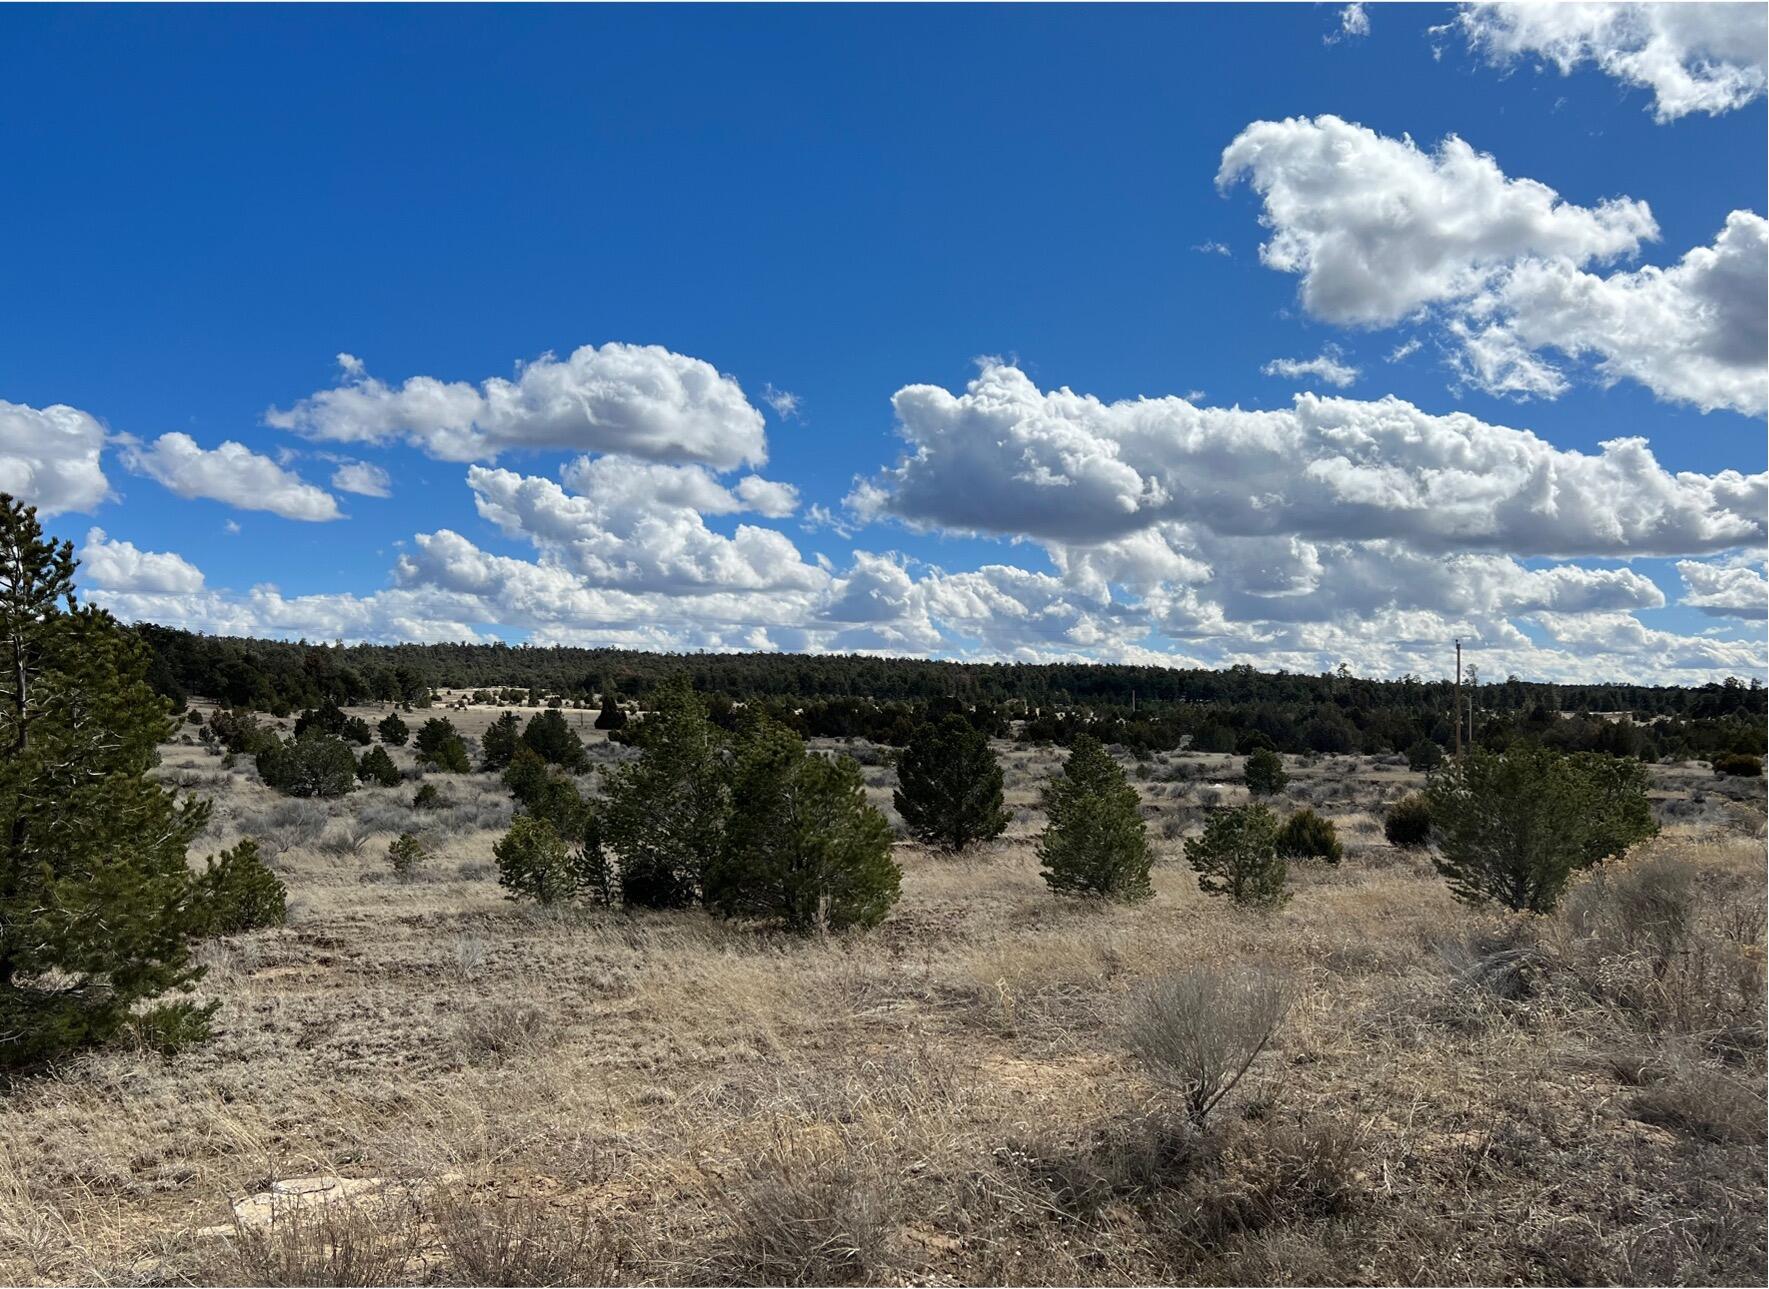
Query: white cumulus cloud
x=1380, y=231
x=1694, y=333
x=1006, y=457
x=1702, y=57
x=49, y=457
x=231, y=473
x=1724, y=590
x=640, y=400
x=641, y=525
x=363, y=478
x=121, y=566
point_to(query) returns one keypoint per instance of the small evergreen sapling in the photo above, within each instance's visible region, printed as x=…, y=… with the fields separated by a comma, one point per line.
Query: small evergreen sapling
x=393, y=731
x=237, y=892
x=1408, y=822
x=499, y=744
x=1096, y=842
x=1264, y=772
x=406, y=854
x=1238, y=857
x=377, y=767
x=1305, y=835
x=534, y=862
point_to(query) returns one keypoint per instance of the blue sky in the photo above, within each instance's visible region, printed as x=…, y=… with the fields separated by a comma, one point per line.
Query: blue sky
x=211, y=205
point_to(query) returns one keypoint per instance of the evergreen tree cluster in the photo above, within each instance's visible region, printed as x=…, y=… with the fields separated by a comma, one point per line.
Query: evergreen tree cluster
x=750, y=823
x=1144, y=708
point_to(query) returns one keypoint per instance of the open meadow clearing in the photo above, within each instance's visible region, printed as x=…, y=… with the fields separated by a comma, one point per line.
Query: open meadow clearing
x=451, y=1087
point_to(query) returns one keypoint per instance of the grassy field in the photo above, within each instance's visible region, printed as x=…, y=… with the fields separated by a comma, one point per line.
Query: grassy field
x=483, y=1092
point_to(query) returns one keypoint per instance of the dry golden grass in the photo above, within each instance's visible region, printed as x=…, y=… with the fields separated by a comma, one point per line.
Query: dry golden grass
x=586, y=1096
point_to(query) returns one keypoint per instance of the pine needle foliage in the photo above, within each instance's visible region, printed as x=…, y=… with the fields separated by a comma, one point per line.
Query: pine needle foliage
x=1238, y=857
x=1096, y=842
x=802, y=844
x=97, y=906
x=950, y=785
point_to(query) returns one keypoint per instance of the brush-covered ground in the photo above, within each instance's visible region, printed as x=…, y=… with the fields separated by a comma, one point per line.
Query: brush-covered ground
x=490, y=1092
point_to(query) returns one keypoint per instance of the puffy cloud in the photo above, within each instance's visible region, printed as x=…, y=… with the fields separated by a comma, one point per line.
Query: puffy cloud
x=49, y=457
x=1694, y=332
x=231, y=473
x=640, y=400
x=1327, y=366
x=766, y=497
x=1379, y=229
x=641, y=525
x=1005, y=457
x=1693, y=57
x=121, y=566
x=1724, y=590
x=363, y=478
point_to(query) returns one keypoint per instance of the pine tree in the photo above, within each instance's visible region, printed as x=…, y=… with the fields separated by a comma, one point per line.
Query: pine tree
x=611, y=717
x=392, y=730
x=1306, y=835
x=1238, y=857
x=949, y=785
x=803, y=845
x=377, y=767
x=314, y=765
x=97, y=904
x=555, y=741
x=1095, y=842
x=1513, y=827
x=1424, y=755
x=663, y=815
x=526, y=775
x=439, y=744
x=237, y=892
x=499, y=744
x=535, y=863
x=1264, y=773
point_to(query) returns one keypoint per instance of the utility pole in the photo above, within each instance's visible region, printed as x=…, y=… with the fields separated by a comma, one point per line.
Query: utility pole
x=1458, y=752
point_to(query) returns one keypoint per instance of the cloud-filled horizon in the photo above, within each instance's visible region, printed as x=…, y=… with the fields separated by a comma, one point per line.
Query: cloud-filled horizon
x=1436, y=383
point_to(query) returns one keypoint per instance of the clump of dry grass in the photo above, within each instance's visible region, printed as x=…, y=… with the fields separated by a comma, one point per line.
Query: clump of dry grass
x=375, y=1243
x=504, y=1240
x=812, y=1208
x=503, y=1032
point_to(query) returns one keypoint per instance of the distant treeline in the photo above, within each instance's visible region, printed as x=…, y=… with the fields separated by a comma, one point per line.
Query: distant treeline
x=1144, y=708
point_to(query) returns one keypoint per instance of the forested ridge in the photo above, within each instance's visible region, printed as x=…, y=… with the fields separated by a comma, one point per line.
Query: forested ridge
x=1141, y=706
